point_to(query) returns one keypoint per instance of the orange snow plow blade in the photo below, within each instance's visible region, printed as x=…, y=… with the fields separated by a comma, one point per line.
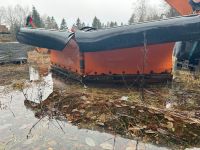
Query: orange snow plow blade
x=125, y=53
x=181, y=6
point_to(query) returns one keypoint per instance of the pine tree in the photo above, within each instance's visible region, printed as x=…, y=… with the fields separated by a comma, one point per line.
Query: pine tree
x=108, y=24
x=54, y=25
x=96, y=23
x=132, y=19
x=103, y=25
x=112, y=24
x=36, y=18
x=63, y=25
x=78, y=23
x=82, y=25
x=48, y=23
x=172, y=13
x=115, y=24
x=52, y=22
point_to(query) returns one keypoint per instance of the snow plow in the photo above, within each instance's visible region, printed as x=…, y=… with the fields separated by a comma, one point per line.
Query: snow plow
x=181, y=6
x=186, y=54
x=132, y=53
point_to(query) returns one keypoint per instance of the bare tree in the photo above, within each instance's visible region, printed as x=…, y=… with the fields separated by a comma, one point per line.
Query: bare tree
x=2, y=11
x=145, y=11
x=153, y=15
x=132, y=19
x=21, y=14
x=140, y=10
x=15, y=17
x=9, y=16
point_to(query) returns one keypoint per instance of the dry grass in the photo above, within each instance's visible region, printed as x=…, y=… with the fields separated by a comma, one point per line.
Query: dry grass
x=189, y=80
x=13, y=72
x=37, y=58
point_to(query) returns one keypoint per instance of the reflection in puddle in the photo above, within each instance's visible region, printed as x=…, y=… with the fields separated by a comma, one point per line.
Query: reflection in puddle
x=34, y=74
x=48, y=134
x=41, y=86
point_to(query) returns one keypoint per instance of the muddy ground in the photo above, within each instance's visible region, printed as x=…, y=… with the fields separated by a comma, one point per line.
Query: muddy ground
x=166, y=115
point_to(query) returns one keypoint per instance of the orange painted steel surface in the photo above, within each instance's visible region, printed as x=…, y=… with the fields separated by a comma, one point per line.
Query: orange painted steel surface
x=182, y=6
x=130, y=60
x=68, y=59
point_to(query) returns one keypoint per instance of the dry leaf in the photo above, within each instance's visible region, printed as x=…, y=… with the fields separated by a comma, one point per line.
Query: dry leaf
x=149, y=92
x=83, y=97
x=82, y=111
x=169, y=118
x=100, y=124
x=65, y=106
x=133, y=107
x=89, y=114
x=124, y=98
x=173, y=129
x=102, y=118
x=150, y=132
x=134, y=130
x=124, y=105
x=75, y=110
x=87, y=102
x=118, y=106
x=162, y=131
x=170, y=125
x=141, y=111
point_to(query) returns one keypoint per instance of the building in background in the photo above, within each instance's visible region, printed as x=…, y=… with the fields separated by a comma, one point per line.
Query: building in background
x=3, y=29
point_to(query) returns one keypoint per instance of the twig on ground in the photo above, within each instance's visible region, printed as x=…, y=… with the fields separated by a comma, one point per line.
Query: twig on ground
x=33, y=127
x=60, y=126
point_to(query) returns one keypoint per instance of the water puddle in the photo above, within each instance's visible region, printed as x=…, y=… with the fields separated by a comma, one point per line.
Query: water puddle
x=21, y=129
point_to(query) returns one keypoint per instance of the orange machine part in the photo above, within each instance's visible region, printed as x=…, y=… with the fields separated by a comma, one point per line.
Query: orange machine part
x=130, y=60
x=68, y=59
x=182, y=6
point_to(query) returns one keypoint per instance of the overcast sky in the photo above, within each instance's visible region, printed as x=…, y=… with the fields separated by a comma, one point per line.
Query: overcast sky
x=105, y=10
